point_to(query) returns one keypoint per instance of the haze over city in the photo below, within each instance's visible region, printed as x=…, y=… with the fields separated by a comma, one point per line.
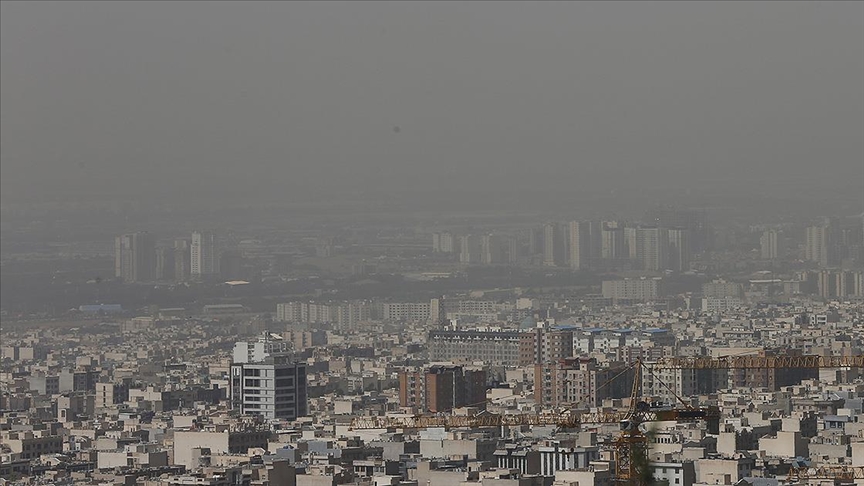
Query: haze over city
x=431, y=243
x=508, y=105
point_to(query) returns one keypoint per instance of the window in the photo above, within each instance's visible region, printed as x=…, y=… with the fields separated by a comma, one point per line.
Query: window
x=251, y=372
x=253, y=382
x=285, y=383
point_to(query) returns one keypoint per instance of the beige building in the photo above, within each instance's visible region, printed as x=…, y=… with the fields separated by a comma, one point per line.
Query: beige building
x=218, y=439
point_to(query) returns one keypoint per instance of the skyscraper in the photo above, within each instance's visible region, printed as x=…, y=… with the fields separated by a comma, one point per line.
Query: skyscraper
x=492, y=249
x=164, y=263
x=679, y=252
x=612, y=242
x=182, y=260
x=443, y=242
x=817, y=245
x=630, y=244
x=134, y=257
x=580, y=244
x=696, y=220
x=651, y=247
x=470, y=249
x=204, y=254
x=768, y=245
x=554, y=245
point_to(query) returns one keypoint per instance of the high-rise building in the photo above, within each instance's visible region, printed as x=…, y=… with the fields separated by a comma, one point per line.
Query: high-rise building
x=491, y=249
x=630, y=243
x=696, y=220
x=513, y=255
x=595, y=240
x=580, y=244
x=134, y=257
x=820, y=245
x=204, y=254
x=612, y=245
x=554, y=245
x=443, y=242
x=535, y=241
x=470, y=249
x=679, y=251
x=165, y=263
x=182, y=260
x=651, y=248
x=266, y=381
x=768, y=245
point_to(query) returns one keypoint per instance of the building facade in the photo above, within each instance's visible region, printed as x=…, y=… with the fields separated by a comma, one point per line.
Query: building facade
x=204, y=254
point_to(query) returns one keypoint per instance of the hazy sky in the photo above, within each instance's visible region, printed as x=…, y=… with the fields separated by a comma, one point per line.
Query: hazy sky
x=173, y=100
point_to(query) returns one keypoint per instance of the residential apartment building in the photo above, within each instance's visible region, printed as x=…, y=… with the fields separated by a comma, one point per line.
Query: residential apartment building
x=135, y=257
x=644, y=289
x=204, y=254
x=266, y=381
x=442, y=388
x=492, y=347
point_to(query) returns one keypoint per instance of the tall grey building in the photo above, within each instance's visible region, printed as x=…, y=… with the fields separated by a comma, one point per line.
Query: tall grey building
x=470, y=249
x=554, y=245
x=768, y=245
x=204, y=254
x=817, y=246
x=492, y=250
x=612, y=246
x=135, y=257
x=182, y=260
x=679, y=250
x=580, y=244
x=651, y=247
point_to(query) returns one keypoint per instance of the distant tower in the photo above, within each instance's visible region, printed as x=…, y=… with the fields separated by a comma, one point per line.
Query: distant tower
x=492, y=249
x=554, y=245
x=580, y=244
x=182, y=260
x=680, y=252
x=651, y=246
x=612, y=241
x=204, y=253
x=165, y=263
x=134, y=257
x=470, y=249
x=817, y=246
x=768, y=245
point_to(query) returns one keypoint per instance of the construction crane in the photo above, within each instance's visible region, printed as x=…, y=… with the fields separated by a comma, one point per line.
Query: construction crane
x=759, y=362
x=564, y=420
x=836, y=473
x=631, y=446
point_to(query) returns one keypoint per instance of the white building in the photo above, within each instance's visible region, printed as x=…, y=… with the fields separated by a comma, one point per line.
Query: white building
x=643, y=289
x=715, y=305
x=204, y=254
x=266, y=381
